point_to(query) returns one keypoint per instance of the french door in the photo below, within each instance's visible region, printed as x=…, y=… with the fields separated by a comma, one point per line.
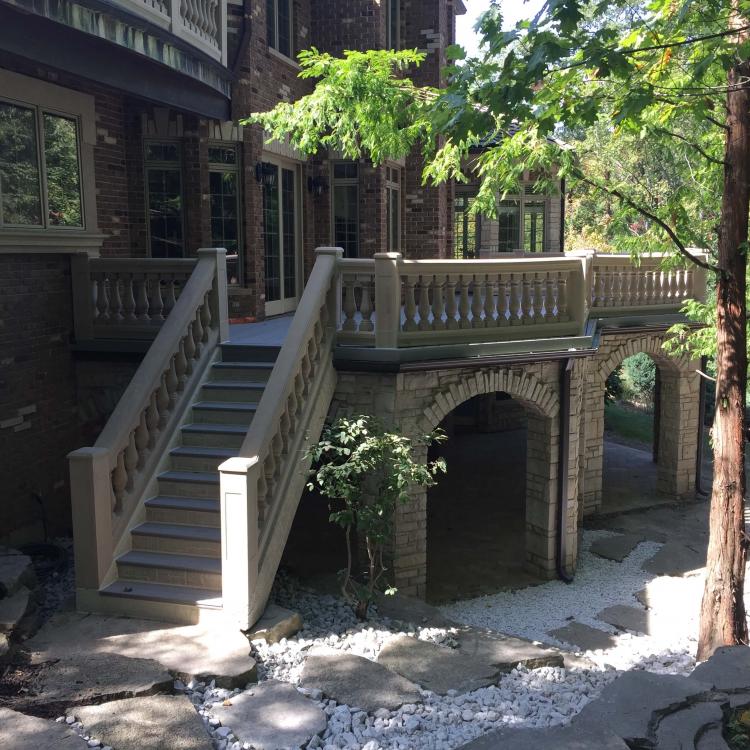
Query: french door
x=281, y=236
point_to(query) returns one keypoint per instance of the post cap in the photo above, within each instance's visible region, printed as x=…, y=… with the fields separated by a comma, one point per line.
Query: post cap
x=337, y=251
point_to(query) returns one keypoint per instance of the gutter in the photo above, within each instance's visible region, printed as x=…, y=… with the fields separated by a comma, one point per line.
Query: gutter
x=563, y=467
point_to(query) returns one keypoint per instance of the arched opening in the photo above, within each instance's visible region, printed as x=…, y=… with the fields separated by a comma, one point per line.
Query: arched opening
x=488, y=518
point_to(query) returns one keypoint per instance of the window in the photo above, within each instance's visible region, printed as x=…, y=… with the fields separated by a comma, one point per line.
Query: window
x=346, y=207
x=393, y=208
x=40, y=168
x=393, y=24
x=508, y=225
x=224, y=206
x=279, y=26
x=164, y=199
x=533, y=225
x=466, y=228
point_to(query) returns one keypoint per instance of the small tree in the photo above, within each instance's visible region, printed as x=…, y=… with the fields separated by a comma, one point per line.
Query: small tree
x=370, y=471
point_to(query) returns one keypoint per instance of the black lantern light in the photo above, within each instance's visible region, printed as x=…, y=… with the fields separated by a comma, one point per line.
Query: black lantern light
x=265, y=173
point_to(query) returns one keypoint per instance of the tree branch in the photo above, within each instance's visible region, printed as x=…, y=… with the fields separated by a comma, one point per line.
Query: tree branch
x=684, y=42
x=690, y=143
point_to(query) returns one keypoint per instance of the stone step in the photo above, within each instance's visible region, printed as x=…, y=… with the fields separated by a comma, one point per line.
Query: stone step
x=232, y=390
x=249, y=372
x=176, y=570
x=177, y=538
x=191, y=511
x=249, y=352
x=205, y=434
x=224, y=412
x=199, y=458
x=162, y=592
x=189, y=483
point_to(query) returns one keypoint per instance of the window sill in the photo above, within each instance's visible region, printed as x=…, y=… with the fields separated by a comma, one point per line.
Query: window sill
x=291, y=62
x=61, y=242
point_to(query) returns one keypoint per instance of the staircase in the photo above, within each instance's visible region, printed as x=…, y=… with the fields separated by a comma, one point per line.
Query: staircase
x=174, y=560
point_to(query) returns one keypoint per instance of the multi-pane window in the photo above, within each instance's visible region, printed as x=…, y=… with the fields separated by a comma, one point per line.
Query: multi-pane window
x=164, y=199
x=224, y=205
x=346, y=207
x=466, y=228
x=533, y=225
x=40, y=171
x=508, y=225
x=393, y=208
x=393, y=23
x=279, y=26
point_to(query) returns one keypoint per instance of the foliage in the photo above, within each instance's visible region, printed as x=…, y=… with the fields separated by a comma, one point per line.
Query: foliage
x=629, y=423
x=370, y=470
x=640, y=377
x=737, y=729
x=613, y=388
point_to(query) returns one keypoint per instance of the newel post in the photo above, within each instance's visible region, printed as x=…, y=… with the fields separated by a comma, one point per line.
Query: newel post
x=387, y=300
x=334, y=299
x=580, y=287
x=83, y=297
x=91, y=499
x=219, y=294
x=240, y=538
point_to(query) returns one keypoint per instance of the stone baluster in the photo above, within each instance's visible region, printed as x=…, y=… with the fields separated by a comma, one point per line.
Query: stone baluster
x=424, y=303
x=610, y=297
x=163, y=397
x=438, y=304
x=640, y=288
x=198, y=334
x=410, y=307
x=128, y=297
x=141, y=440
x=188, y=347
x=477, y=303
x=649, y=288
x=119, y=481
x=102, y=299
x=503, y=302
x=538, y=298
x=115, y=299
x=562, y=297
x=627, y=279
x=170, y=298
x=464, y=305
x=141, y=300
x=689, y=283
x=366, y=306
x=526, y=308
x=515, y=299
x=131, y=460
x=156, y=303
x=349, y=304
x=673, y=286
x=181, y=365
x=489, y=301
x=206, y=318
x=450, y=303
x=550, y=310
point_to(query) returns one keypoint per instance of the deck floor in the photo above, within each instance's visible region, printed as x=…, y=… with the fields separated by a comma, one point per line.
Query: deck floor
x=271, y=332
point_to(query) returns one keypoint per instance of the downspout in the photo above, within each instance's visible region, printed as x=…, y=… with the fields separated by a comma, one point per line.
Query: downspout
x=701, y=430
x=562, y=215
x=563, y=466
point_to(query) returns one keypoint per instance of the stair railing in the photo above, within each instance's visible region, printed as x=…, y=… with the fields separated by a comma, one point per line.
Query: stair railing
x=260, y=489
x=108, y=480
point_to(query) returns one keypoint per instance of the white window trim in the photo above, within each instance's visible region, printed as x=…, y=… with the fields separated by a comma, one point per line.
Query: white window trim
x=273, y=43
x=48, y=97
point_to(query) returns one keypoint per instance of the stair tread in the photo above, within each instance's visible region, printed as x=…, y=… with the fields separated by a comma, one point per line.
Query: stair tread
x=178, y=531
x=226, y=405
x=229, y=429
x=207, y=504
x=198, y=451
x=199, y=477
x=163, y=592
x=227, y=385
x=224, y=365
x=150, y=559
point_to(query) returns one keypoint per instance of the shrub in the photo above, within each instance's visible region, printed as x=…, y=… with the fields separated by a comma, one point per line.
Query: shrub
x=369, y=470
x=613, y=388
x=639, y=373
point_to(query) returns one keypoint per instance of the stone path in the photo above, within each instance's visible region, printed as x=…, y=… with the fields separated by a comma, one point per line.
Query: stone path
x=20, y=731
x=616, y=548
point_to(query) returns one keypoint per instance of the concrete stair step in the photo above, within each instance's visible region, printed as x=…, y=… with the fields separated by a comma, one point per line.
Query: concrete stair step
x=224, y=412
x=207, y=434
x=232, y=390
x=249, y=352
x=250, y=372
x=198, y=458
x=162, y=592
x=176, y=570
x=175, y=538
x=189, y=483
x=192, y=511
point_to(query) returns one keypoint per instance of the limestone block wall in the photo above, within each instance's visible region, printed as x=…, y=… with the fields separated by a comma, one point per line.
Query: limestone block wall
x=678, y=433
x=417, y=402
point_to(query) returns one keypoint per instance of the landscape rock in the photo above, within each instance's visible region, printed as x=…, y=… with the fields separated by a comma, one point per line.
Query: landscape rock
x=615, y=548
x=557, y=738
x=712, y=739
x=628, y=618
x=675, y=559
x=21, y=731
x=728, y=670
x=504, y=651
x=682, y=729
x=584, y=636
x=158, y=722
x=271, y=716
x=436, y=668
x=4, y=645
x=357, y=681
x=411, y=611
x=200, y=652
x=275, y=624
x=632, y=704
x=16, y=570
x=86, y=678
x=13, y=609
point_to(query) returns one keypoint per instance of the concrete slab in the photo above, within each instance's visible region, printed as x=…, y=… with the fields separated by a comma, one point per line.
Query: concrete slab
x=682, y=729
x=275, y=624
x=21, y=731
x=616, y=548
x=272, y=716
x=187, y=651
x=630, y=705
x=15, y=570
x=13, y=608
x=712, y=739
x=85, y=678
x=503, y=651
x=728, y=670
x=584, y=636
x=159, y=722
x=627, y=618
x=357, y=681
x=434, y=667
x=675, y=559
x=559, y=738
x=411, y=611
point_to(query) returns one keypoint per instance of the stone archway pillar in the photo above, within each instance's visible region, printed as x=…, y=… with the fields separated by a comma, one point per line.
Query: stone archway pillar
x=593, y=448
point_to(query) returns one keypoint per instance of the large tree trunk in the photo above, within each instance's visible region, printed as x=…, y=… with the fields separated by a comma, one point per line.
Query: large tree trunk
x=723, y=621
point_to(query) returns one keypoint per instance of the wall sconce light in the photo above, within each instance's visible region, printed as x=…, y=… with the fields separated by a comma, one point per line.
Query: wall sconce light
x=317, y=185
x=265, y=173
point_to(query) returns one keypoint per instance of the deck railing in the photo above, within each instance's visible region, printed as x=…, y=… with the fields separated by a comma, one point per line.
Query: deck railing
x=391, y=302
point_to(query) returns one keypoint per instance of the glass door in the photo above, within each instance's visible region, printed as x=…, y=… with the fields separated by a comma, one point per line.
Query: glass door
x=281, y=236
